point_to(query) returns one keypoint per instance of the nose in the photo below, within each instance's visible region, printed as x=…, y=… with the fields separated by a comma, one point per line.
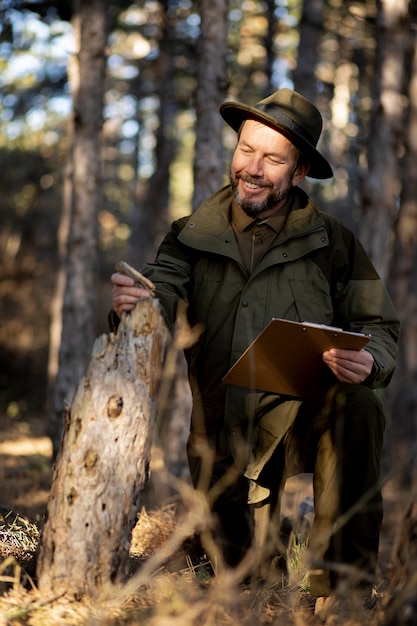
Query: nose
x=254, y=166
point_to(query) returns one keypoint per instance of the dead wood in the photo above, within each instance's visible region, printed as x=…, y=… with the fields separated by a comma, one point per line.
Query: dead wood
x=103, y=463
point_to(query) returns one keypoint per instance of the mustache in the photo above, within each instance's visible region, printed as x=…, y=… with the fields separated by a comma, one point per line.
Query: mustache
x=253, y=180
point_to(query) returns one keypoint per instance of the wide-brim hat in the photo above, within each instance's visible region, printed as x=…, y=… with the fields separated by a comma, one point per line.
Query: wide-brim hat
x=290, y=114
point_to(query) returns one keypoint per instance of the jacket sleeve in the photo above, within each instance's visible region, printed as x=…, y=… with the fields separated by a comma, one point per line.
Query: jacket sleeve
x=375, y=316
x=171, y=272
x=362, y=304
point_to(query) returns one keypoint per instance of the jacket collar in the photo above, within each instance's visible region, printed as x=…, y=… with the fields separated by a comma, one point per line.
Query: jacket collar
x=209, y=227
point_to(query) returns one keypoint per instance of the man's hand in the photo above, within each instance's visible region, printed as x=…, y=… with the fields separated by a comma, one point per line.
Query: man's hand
x=349, y=366
x=124, y=294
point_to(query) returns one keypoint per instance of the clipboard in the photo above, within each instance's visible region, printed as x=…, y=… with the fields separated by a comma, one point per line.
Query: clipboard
x=286, y=358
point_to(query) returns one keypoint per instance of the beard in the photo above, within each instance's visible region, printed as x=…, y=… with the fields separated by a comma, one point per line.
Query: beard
x=253, y=208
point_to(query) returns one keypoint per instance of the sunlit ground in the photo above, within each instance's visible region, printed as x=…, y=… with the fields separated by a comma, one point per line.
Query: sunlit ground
x=25, y=474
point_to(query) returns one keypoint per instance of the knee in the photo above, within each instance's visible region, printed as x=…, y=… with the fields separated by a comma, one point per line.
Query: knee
x=361, y=407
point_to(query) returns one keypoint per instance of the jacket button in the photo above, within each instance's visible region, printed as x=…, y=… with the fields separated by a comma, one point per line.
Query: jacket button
x=245, y=303
x=284, y=254
x=323, y=239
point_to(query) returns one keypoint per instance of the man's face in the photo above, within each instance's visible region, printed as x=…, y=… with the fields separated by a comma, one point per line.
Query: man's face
x=263, y=169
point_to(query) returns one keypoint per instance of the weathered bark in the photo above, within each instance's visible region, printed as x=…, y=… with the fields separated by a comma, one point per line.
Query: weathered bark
x=102, y=466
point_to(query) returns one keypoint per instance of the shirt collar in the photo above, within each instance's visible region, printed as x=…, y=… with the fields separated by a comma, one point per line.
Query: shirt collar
x=243, y=222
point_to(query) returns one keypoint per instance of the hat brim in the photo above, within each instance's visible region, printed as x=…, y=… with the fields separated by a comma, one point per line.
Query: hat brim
x=235, y=114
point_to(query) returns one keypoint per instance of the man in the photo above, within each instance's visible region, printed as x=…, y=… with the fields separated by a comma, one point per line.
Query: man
x=255, y=250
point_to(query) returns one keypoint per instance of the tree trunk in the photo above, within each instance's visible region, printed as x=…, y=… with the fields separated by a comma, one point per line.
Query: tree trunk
x=102, y=466
x=403, y=287
x=150, y=215
x=73, y=320
x=211, y=89
x=382, y=187
x=311, y=30
x=270, y=51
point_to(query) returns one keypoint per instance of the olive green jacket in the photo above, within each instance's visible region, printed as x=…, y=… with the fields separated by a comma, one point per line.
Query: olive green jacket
x=316, y=271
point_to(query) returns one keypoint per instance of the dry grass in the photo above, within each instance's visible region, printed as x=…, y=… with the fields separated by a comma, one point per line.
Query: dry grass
x=18, y=535
x=171, y=585
x=172, y=581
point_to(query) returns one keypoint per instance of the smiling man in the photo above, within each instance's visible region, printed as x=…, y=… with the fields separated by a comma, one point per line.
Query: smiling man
x=255, y=250
x=264, y=170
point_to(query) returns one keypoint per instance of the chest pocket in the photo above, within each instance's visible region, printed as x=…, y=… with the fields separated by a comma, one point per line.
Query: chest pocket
x=312, y=300
x=216, y=289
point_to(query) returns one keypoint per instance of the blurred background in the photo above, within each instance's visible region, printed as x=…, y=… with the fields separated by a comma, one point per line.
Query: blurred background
x=109, y=130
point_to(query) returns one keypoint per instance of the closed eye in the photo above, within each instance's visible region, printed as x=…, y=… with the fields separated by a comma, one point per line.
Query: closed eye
x=275, y=160
x=246, y=150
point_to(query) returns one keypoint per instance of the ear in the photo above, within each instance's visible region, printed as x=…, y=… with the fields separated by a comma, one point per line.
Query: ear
x=300, y=172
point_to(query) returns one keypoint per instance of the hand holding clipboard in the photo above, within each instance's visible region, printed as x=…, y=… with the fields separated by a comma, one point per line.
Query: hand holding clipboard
x=286, y=358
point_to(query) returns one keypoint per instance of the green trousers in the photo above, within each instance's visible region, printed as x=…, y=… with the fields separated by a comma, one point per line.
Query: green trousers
x=338, y=437
x=345, y=439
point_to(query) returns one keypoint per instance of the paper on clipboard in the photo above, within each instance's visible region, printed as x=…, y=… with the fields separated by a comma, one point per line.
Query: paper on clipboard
x=286, y=358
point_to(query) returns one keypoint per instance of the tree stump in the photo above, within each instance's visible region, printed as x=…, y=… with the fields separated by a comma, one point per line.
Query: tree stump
x=103, y=462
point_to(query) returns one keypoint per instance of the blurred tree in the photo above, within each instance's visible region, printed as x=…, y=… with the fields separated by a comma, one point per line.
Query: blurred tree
x=247, y=59
x=310, y=33
x=343, y=73
x=311, y=30
x=382, y=184
x=270, y=8
x=210, y=93
x=173, y=420
x=33, y=59
x=403, y=284
x=153, y=111
x=150, y=211
x=152, y=78
x=73, y=327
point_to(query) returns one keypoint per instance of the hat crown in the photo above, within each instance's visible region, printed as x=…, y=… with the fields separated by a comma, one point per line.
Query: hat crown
x=292, y=115
x=299, y=111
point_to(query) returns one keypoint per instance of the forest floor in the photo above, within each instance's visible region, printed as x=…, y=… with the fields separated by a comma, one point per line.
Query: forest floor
x=180, y=590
